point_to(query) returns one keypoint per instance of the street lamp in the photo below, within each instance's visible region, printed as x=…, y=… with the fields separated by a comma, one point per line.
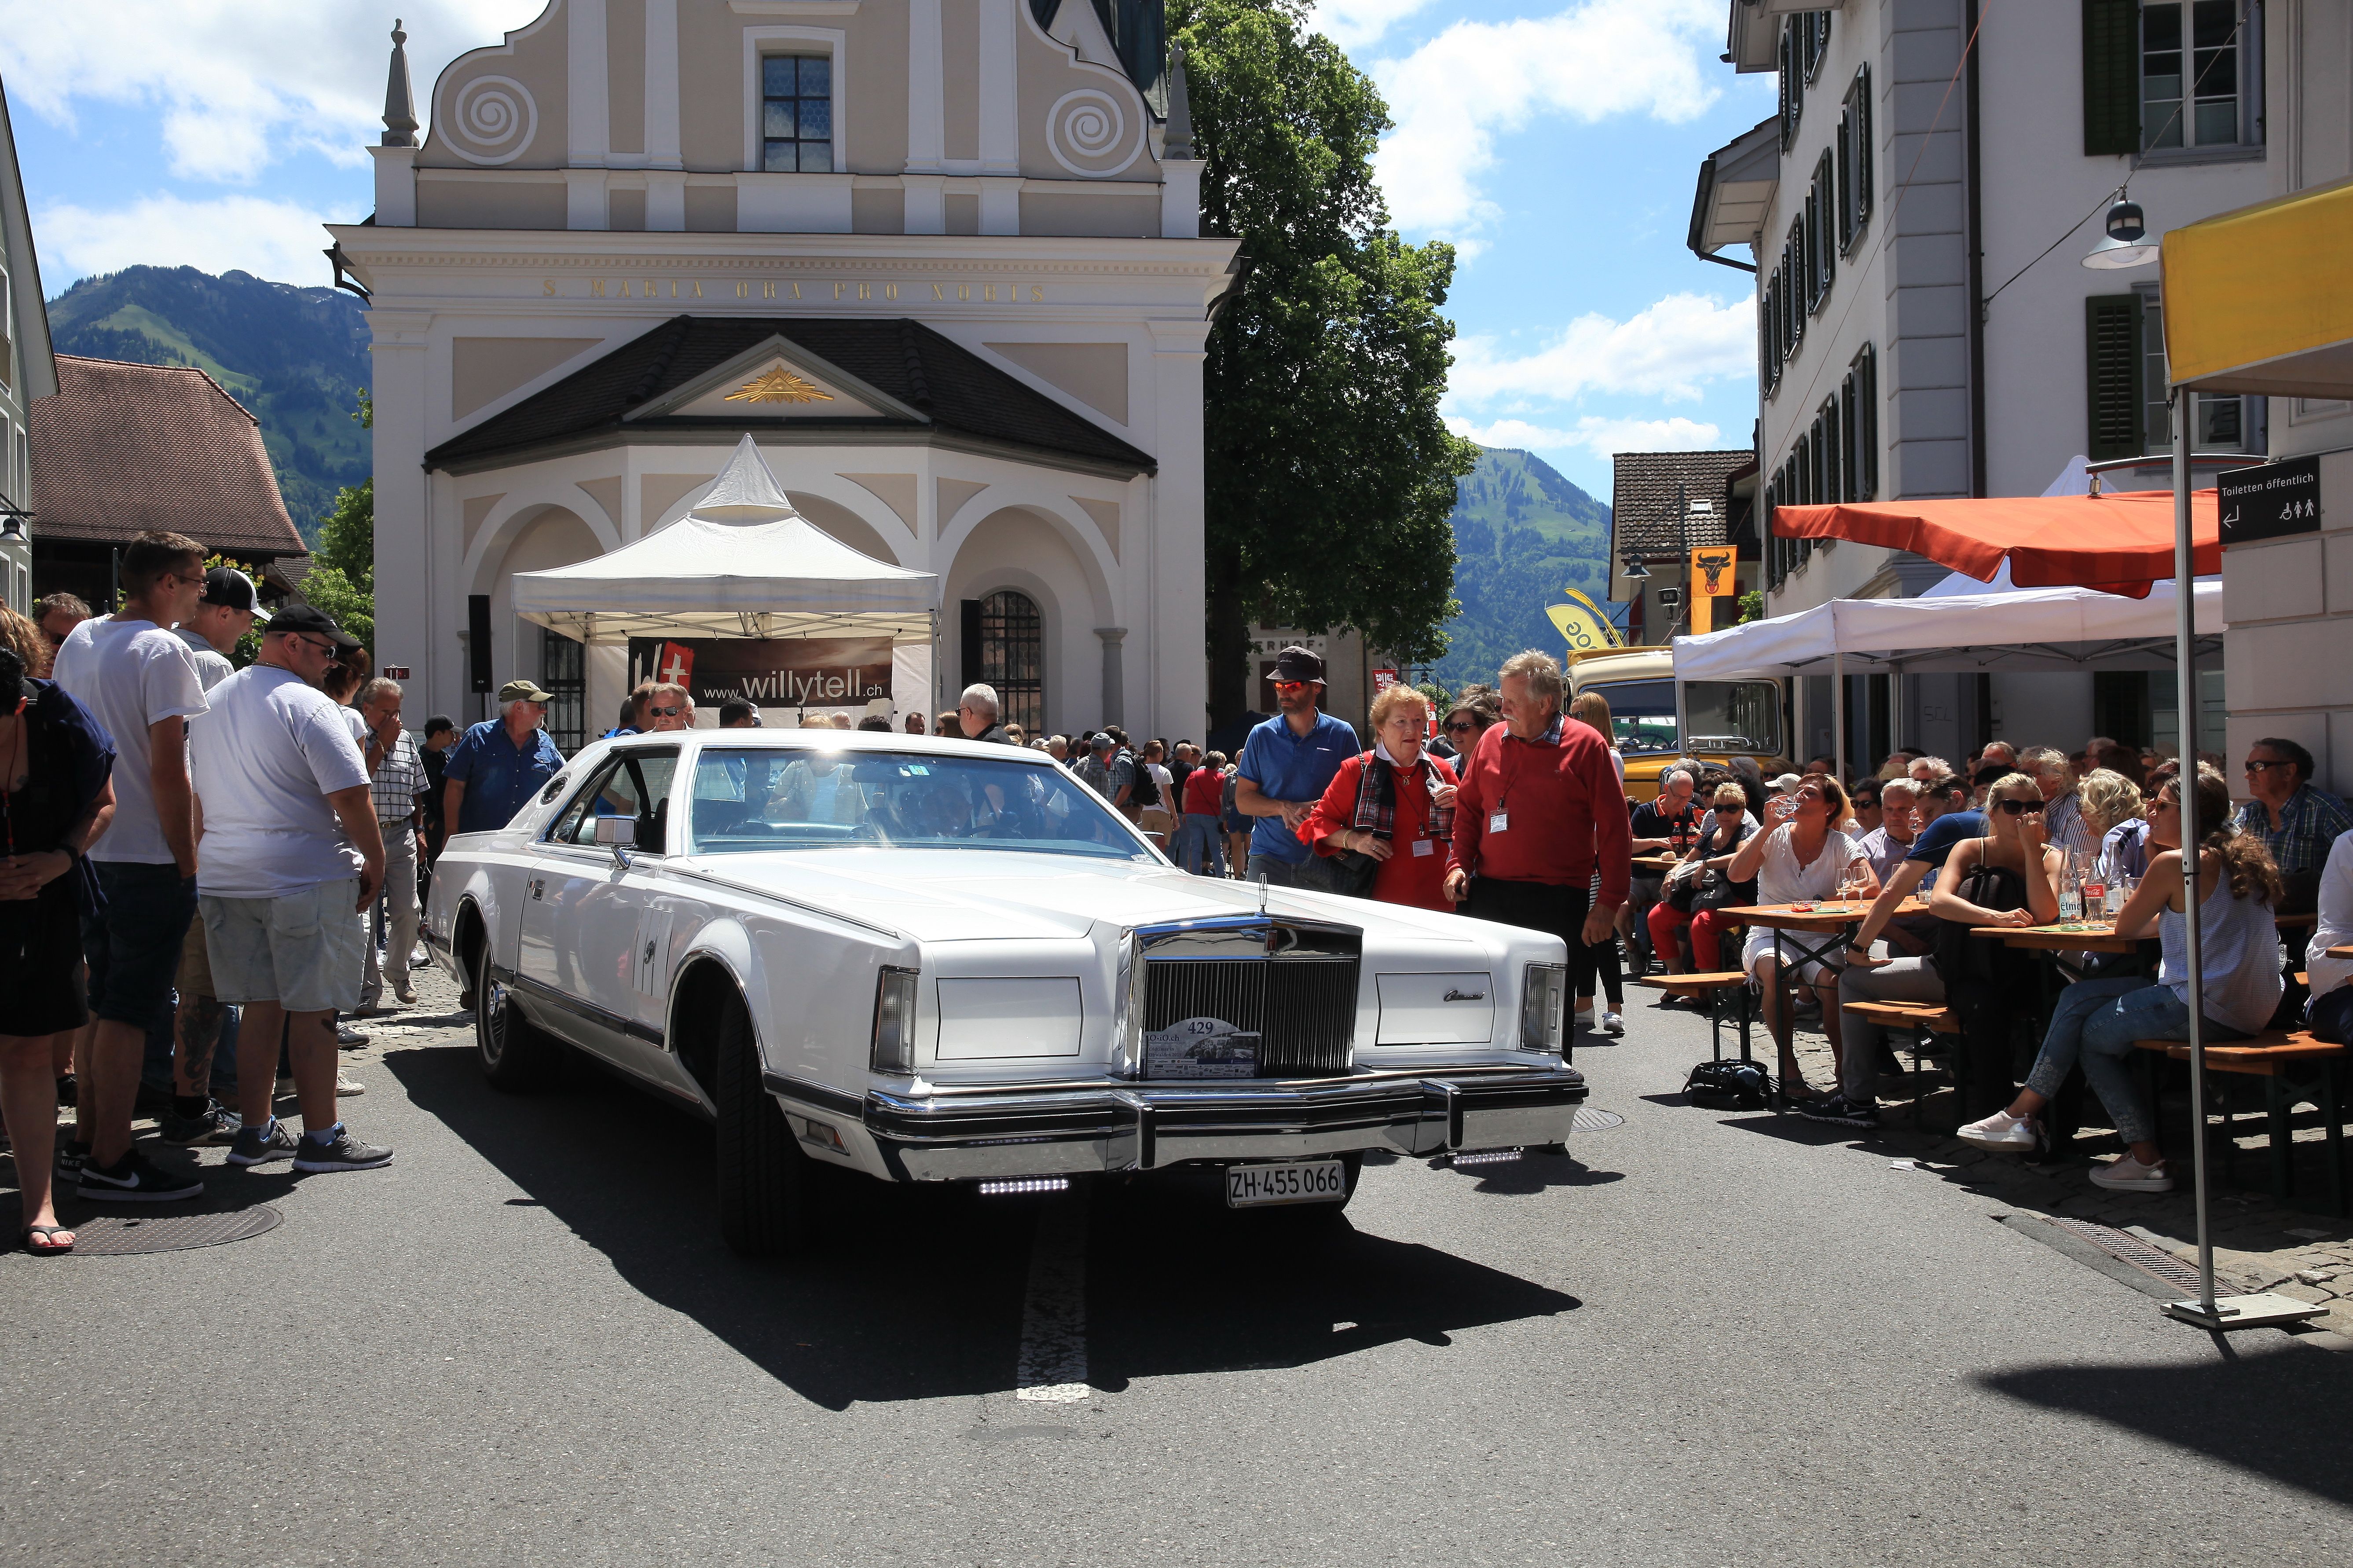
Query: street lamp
x=1635, y=571
x=2127, y=244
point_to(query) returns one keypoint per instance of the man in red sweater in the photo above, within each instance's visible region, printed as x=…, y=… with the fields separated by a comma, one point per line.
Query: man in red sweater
x=1538, y=809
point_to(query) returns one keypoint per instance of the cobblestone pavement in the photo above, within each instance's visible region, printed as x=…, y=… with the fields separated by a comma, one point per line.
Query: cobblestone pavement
x=2260, y=1244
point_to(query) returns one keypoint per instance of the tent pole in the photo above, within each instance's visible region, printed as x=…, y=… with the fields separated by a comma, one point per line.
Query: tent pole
x=2186, y=672
x=1837, y=704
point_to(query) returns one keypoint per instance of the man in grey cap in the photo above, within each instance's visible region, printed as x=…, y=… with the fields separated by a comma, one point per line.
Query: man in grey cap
x=1286, y=764
x=1100, y=772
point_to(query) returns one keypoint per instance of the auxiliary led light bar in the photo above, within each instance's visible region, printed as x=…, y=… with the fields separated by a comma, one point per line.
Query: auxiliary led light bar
x=1485, y=1157
x=1025, y=1184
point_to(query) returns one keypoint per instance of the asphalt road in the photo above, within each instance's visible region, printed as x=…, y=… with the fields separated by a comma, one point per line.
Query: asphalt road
x=1705, y=1339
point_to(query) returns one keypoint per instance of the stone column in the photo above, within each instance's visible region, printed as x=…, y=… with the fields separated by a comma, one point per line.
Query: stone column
x=1114, y=682
x=1178, y=673
x=927, y=211
x=415, y=615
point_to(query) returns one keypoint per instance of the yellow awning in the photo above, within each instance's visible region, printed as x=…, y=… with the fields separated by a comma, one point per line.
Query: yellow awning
x=2256, y=301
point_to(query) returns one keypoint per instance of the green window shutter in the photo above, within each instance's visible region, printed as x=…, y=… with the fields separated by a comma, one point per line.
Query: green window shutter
x=2111, y=77
x=2112, y=353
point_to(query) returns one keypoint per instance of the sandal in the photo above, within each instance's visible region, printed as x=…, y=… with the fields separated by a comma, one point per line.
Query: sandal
x=41, y=1240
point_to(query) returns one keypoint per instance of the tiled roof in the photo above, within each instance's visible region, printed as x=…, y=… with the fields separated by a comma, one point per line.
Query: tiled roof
x=1642, y=499
x=905, y=360
x=123, y=448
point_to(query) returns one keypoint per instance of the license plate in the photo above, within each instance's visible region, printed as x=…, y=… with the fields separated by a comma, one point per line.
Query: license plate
x=1306, y=1181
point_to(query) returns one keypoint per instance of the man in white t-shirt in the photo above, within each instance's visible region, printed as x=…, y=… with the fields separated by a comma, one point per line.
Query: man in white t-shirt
x=291, y=854
x=138, y=682
x=229, y=608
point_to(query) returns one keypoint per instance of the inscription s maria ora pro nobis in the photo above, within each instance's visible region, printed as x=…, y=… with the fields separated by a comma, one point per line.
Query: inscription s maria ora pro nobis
x=639, y=287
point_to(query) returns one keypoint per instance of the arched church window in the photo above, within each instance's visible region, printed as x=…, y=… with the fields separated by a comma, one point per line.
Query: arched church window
x=1012, y=654
x=796, y=110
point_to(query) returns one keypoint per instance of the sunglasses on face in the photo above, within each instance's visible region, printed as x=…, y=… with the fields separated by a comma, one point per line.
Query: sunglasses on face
x=2257, y=764
x=2018, y=808
x=1290, y=685
x=1465, y=727
x=1730, y=810
x=665, y=712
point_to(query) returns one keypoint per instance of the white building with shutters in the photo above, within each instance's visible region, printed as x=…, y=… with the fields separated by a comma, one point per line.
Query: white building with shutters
x=941, y=259
x=1916, y=213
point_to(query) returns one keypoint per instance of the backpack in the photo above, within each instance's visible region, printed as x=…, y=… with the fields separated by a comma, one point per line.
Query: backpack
x=1963, y=958
x=1729, y=1085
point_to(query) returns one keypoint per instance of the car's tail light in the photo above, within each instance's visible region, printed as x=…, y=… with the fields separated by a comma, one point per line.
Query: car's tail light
x=1544, y=998
x=894, y=1021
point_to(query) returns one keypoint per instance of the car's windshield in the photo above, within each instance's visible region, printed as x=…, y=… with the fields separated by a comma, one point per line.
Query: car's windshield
x=1736, y=716
x=769, y=799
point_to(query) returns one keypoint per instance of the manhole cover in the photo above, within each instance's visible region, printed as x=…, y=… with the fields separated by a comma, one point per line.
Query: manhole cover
x=115, y=1234
x=2126, y=1247
x=1590, y=1119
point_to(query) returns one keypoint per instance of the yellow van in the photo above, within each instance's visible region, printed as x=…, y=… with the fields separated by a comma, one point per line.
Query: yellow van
x=1726, y=718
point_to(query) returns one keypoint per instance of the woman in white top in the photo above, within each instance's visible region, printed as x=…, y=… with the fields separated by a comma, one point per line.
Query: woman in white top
x=1802, y=857
x=2097, y=1021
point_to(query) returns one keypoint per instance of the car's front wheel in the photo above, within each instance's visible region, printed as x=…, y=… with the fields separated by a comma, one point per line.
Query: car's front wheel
x=516, y=1054
x=764, y=1177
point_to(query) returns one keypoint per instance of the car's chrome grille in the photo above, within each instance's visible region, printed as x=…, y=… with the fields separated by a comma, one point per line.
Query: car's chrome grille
x=1295, y=991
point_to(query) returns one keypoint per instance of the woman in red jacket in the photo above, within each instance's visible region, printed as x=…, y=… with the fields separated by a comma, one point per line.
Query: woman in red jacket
x=1393, y=803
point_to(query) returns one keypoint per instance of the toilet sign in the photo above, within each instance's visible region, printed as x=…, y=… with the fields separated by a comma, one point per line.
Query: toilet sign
x=2270, y=500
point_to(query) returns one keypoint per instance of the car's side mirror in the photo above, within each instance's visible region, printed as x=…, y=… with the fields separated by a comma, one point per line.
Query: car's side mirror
x=621, y=831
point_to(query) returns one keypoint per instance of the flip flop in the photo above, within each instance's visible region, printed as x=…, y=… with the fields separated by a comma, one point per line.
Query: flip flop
x=47, y=1245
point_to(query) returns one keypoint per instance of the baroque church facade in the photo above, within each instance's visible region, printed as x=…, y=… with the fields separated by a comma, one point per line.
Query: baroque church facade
x=941, y=259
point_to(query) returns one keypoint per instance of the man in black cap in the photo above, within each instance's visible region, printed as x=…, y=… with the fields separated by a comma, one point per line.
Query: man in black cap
x=1287, y=763
x=227, y=609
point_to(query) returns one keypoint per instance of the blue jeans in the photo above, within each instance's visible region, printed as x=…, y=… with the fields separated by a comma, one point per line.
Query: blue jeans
x=1198, y=844
x=1313, y=873
x=2096, y=1022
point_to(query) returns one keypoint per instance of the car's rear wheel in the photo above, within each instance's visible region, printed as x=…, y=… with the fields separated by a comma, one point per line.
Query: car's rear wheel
x=764, y=1177
x=516, y=1054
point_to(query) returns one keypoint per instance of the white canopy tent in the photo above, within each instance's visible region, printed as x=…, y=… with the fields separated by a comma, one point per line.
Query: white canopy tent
x=741, y=564
x=2023, y=630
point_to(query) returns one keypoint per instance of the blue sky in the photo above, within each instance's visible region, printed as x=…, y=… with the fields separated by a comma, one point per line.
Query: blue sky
x=1557, y=144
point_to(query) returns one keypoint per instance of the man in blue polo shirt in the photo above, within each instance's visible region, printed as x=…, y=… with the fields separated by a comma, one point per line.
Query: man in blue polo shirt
x=501, y=764
x=1287, y=763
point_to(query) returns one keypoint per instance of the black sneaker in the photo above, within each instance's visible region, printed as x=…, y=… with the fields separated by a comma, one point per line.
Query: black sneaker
x=1840, y=1108
x=134, y=1180
x=345, y=1153
x=71, y=1157
x=212, y=1126
x=256, y=1147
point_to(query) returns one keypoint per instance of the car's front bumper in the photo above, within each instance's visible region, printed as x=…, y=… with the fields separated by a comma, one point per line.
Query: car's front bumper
x=949, y=1135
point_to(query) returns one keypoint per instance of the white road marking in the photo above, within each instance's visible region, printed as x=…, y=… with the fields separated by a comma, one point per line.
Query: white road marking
x=1053, y=1365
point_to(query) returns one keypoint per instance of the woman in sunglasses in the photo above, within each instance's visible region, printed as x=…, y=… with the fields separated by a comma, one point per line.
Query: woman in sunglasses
x=1691, y=898
x=2008, y=878
x=2097, y=1021
x=1473, y=712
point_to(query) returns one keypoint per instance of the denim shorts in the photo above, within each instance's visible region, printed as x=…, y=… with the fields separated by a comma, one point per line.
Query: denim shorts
x=132, y=945
x=303, y=951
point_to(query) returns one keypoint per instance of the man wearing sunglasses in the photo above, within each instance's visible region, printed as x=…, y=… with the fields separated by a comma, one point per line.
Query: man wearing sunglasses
x=2295, y=821
x=1287, y=763
x=669, y=707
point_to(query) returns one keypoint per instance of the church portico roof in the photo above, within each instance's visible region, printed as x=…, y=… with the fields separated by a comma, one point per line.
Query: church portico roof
x=850, y=380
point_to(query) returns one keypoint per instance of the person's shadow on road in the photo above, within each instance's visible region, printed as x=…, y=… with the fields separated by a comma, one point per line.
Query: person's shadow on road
x=917, y=1292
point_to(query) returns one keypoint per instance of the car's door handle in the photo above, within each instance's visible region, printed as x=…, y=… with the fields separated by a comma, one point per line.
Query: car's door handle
x=537, y=886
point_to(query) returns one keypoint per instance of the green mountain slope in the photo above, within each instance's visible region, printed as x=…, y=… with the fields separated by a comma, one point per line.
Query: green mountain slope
x=297, y=358
x=1522, y=533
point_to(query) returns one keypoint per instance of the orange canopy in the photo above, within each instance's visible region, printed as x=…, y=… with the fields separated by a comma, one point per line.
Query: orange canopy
x=2120, y=542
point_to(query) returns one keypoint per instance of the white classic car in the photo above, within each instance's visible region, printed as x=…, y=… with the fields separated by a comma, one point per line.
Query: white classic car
x=939, y=961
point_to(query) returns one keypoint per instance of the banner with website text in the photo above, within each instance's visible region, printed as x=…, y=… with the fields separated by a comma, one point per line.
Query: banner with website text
x=773, y=672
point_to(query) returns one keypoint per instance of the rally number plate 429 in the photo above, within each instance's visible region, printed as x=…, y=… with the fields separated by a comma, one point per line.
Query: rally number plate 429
x=1301, y=1182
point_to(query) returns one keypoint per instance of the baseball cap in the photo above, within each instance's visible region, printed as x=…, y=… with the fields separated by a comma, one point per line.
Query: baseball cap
x=1296, y=663
x=1786, y=784
x=1099, y=742
x=523, y=691
x=227, y=586
x=312, y=619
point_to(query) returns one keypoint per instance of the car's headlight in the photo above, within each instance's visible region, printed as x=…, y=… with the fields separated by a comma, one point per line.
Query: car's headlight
x=1127, y=1023
x=894, y=1021
x=1544, y=998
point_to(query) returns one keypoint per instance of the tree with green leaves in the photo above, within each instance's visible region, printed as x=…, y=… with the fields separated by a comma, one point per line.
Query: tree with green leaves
x=1330, y=474
x=342, y=572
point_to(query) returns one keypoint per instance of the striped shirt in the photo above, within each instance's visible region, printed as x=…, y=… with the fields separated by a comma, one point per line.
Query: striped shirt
x=399, y=780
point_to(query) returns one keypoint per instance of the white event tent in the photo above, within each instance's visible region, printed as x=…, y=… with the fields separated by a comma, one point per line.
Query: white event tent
x=742, y=564
x=2023, y=630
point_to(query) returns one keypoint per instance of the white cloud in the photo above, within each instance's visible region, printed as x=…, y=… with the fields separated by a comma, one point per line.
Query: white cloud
x=1454, y=94
x=1602, y=436
x=1669, y=350
x=274, y=239
x=1353, y=24
x=235, y=84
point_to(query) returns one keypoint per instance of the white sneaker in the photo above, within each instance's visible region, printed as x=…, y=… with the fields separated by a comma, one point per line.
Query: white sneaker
x=2129, y=1175
x=1612, y=1024
x=2001, y=1133
x=345, y=1088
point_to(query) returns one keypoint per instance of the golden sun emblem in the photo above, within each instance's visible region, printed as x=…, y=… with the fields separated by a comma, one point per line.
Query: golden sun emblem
x=778, y=386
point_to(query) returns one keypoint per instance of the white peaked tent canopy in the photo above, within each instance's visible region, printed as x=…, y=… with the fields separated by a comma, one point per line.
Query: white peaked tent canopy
x=742, y=564
x=2024, y=630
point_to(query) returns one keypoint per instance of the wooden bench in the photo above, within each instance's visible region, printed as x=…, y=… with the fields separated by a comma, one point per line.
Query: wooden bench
x=1908, y=1016
x=2294, y=1068
x=1712, y=986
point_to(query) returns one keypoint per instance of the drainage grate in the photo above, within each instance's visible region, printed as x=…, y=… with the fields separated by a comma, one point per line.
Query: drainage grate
x=114, y=1235
x=1590, y=1120
x=2126, y=1247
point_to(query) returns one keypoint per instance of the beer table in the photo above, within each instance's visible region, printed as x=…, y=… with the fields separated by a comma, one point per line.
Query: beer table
x=1815, y=932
